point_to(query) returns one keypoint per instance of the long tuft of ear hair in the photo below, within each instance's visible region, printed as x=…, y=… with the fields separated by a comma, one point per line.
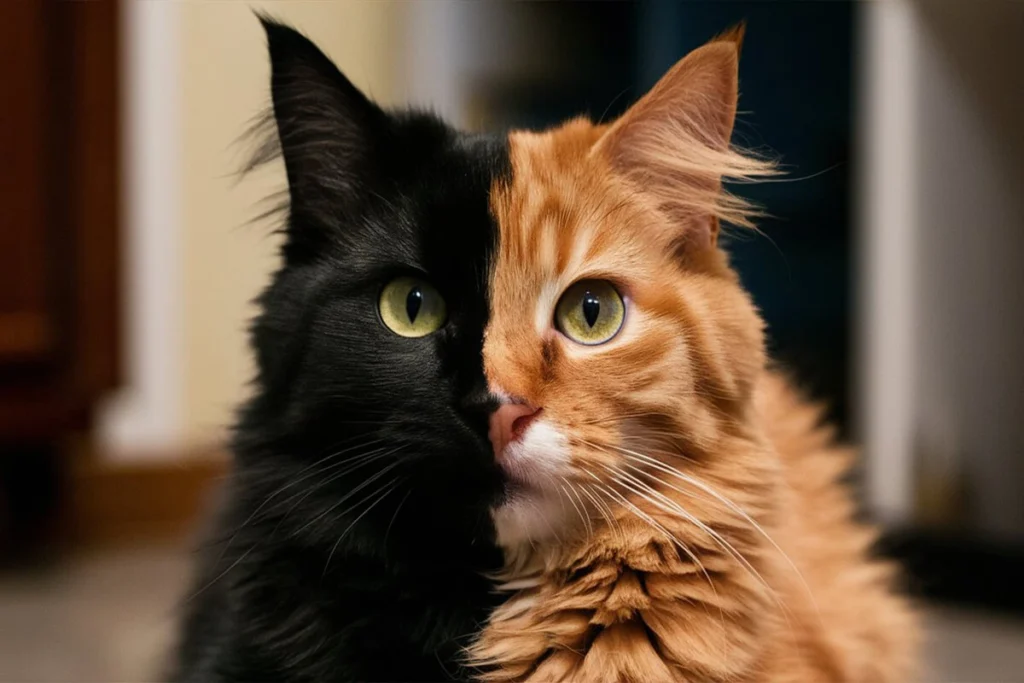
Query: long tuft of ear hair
x=262, y=149
x=674, y=142
x=325, y=130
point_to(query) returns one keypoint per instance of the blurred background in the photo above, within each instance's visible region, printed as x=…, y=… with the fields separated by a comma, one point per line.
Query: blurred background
x=888, y=273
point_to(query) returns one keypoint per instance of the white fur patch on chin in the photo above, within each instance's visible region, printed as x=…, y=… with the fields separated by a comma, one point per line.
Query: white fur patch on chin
x=538, y=457
x=534, y=511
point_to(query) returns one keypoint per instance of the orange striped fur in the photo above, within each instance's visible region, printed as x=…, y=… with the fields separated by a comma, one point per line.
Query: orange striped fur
x=695, y=527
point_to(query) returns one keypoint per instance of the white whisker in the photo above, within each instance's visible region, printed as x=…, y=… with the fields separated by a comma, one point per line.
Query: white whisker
x=697, y=483
x=667, y=505
x=356, y=521
x=369, y=480
x=583, y=519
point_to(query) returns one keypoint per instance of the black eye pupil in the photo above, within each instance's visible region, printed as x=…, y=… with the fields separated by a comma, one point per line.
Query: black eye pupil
x=591, y=308
x=413, y=303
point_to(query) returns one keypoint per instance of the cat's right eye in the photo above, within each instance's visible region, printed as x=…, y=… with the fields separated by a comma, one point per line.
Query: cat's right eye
x=590, y=312
x=411, y=307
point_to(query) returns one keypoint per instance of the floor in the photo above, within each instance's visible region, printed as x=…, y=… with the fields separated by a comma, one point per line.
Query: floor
x=109, y=617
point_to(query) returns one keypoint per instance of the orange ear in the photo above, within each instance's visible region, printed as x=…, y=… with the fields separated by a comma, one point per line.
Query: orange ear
x=675, y=140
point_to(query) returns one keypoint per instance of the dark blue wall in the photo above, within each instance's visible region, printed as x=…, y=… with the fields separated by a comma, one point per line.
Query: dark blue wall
x=796, y=82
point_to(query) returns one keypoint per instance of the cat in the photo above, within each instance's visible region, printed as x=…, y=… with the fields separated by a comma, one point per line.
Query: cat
x=522, y=361
x=679, y=514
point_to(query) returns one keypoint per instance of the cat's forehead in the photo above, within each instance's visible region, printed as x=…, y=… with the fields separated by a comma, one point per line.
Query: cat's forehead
x=543, y=154
x=561, y=215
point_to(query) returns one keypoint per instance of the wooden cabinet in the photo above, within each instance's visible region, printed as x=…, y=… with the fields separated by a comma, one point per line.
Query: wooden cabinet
x=59, y=158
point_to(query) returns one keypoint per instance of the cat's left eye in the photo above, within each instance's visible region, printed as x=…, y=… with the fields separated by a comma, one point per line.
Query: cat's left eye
x=590, y=312
x=411, y=307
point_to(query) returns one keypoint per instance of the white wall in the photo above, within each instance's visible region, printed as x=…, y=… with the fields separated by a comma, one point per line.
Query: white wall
x=144, y=418
x=943, y=229
x=885, y=275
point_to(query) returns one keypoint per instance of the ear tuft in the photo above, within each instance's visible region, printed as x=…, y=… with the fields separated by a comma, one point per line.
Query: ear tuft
x=733, y=35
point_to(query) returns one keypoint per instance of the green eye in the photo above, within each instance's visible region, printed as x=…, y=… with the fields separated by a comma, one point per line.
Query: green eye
x=590, y=312
x=411, y=308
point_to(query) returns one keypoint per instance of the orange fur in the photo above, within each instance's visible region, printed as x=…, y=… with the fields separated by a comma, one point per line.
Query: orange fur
x=707, y=535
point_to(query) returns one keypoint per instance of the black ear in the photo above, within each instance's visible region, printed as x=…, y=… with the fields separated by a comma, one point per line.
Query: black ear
x=326, y=127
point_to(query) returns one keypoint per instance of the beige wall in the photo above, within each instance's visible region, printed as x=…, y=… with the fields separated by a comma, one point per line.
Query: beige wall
x=225, y=259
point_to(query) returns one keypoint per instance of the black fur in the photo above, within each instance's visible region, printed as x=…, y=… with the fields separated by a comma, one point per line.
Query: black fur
x=355, y=533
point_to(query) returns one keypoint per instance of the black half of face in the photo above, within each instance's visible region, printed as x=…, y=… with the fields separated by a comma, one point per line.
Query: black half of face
x=342, y=400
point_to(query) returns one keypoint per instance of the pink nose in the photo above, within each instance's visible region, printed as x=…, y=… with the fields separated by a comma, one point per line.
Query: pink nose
x=509, y=422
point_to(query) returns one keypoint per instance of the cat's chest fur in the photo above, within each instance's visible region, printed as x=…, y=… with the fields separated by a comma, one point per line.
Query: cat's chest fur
x=281, y=618
x=782, y=590
x=630, y=606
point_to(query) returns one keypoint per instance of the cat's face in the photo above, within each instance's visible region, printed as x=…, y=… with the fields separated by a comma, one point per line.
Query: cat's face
x=674, y=339
x=614, y=315
x=502, y=324
x=371, y=396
